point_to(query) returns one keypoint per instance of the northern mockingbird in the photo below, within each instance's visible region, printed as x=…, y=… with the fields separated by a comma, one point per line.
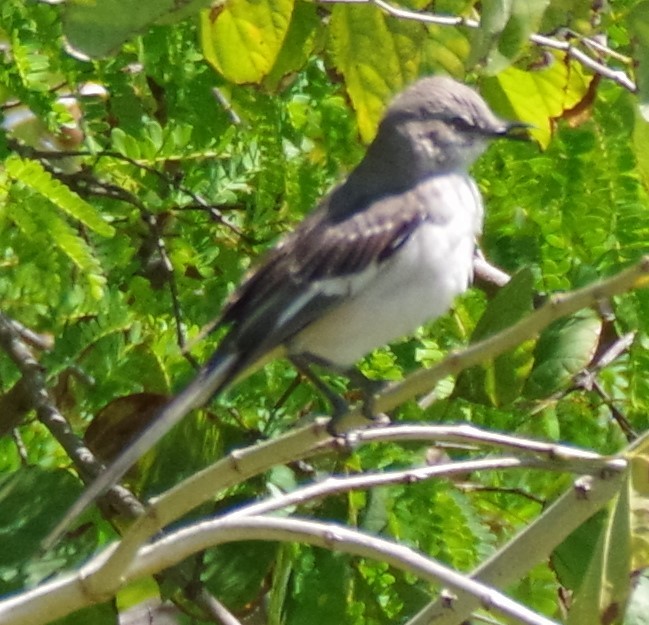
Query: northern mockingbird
x=384, y=252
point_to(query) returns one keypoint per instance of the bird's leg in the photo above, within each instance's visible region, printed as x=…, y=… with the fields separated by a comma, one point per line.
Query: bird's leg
x=303, y=364
x=369, y=388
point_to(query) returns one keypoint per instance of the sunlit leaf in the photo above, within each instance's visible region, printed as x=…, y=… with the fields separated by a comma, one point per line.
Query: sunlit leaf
x=639, y=504
x=356, y=33
x=538, y=97
x=602, y=596
x=243, y=38
x=500, y=382
x=300, y=40
x=32, y=174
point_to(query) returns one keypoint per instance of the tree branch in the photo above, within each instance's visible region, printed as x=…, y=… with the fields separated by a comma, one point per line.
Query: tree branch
x=242, y=464
x=62, y=596
x=36, y=392
x=532, y=545
x=578, y=55
x=527, y=328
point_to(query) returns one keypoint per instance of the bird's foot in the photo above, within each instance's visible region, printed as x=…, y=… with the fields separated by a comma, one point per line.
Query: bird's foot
x=370, y=389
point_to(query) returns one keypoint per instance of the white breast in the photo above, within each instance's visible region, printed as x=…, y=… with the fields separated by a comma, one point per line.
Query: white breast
x=417, y=284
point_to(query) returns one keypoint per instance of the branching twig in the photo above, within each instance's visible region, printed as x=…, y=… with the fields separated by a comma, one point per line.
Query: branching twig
x=242, y=464
x=70, y=593
x=578, y=55
x=565, y=457
x=615, y=75
x=52, y=155
x=336, y=485
x=481, y=488
x=36, y=390
x=532, y=545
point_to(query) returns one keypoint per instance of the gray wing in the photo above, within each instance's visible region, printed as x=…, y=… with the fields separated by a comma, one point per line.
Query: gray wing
x=305, y=275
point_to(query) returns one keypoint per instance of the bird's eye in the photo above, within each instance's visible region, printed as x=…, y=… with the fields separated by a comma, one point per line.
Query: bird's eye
x=461, y=123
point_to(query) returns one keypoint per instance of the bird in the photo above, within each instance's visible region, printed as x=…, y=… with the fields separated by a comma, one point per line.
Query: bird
x=385, y=251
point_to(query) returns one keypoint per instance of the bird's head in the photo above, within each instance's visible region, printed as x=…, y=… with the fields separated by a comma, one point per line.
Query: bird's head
x=445, y=125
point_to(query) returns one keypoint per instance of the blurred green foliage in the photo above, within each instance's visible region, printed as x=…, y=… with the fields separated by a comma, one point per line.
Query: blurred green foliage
x=129, y=214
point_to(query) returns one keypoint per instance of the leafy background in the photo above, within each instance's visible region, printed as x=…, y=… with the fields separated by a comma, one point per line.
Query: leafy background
x=150, y=155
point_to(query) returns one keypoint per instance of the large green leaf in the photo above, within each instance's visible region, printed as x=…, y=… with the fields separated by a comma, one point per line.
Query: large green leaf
x=505, y=28
x=603, y=593
x=377, y=55
x=96, y=28
x=564, y=349
x=299, y=43
x=499, y=383
x=639, y=504
x=538, y=97
x=243, y=39
x=525, y=19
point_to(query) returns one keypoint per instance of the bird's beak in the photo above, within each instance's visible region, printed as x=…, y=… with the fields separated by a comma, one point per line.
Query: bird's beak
x=518, y=131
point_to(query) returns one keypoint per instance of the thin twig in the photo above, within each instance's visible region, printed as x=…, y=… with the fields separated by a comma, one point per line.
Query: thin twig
x=578, y=55
x=615, y=75
x=53, y=155
x=336, y=485
x=481, y=488
x=213, y=607
x=47, y=412
x=44, y=342
x=572, y=458
x=333, y=537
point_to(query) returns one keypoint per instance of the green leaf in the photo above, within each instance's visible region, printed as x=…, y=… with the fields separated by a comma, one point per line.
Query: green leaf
x=524, y=20
x=299, y=43
x=509, y=305
x=493, y=19
x=539, y=97
x=319, y=579
x=505, y=28
x=235, y=572
x=32, y=174
x=500, y=382
x=27, y=513
x=639, y=503
x=640, y=142
x=564, y=349
x=445, y=50
x=243, y=39
x=66, y=238
x=97, y=28
x=377, y=55
x=602, y=595
x=572, y=557
x=638, y=22
x=102, y=614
